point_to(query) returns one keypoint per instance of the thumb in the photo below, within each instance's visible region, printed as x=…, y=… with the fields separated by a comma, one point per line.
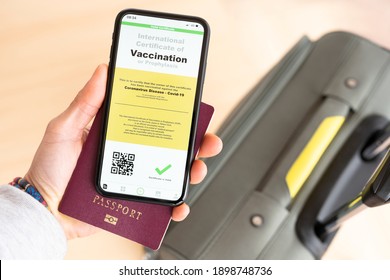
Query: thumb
x=87, y=102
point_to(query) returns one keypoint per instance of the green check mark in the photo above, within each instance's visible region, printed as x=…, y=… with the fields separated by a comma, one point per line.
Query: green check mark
x=160, y=172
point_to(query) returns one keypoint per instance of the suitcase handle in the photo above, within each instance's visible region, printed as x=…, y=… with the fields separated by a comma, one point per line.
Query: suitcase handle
x=375, y=193
x=378, y=145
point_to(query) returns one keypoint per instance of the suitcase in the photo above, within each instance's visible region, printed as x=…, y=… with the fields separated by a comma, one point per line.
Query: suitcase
x=288, y=149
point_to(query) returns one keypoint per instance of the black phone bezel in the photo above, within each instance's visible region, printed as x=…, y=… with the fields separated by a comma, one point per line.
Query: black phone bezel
x=197, y=101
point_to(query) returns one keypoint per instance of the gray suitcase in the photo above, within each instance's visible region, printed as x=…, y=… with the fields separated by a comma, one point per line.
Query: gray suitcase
x=276, y=177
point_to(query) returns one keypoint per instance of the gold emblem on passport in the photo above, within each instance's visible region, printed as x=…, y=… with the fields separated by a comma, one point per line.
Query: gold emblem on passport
x=111, y=219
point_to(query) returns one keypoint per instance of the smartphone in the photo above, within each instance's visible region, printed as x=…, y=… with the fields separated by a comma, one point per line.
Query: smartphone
x=156, y=74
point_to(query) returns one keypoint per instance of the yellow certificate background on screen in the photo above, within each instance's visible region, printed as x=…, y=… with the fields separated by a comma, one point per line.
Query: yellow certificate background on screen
x=151, y=108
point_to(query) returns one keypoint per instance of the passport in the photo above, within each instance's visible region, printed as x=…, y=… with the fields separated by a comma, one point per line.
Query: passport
x=141, y=222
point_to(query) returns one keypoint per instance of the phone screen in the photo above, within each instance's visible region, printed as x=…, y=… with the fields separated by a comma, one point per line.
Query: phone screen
x=152, y=106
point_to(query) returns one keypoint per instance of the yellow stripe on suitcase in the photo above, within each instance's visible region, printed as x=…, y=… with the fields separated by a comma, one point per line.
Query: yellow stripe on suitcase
x=311, y=154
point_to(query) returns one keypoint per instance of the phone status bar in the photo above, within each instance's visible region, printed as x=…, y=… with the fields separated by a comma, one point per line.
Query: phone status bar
x=165, y=23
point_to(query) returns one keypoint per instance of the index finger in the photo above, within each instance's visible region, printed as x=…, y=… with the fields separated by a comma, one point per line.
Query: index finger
x=211, y=146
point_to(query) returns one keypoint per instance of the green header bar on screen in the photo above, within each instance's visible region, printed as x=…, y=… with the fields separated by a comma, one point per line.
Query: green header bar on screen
x=162, y=27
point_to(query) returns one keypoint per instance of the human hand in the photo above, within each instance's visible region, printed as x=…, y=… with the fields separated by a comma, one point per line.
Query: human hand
x=61, y=145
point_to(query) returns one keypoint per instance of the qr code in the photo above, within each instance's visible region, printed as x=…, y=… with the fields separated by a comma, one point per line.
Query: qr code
x=122, y=163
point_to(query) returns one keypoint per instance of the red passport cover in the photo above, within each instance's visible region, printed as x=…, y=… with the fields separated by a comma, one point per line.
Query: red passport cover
x=141, y=222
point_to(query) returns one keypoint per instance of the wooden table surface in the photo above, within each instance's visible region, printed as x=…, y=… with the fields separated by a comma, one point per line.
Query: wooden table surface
x=49, y=49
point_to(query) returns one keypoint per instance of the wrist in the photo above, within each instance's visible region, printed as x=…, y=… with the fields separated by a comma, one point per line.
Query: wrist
x=23, y=185
x=71, y=227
